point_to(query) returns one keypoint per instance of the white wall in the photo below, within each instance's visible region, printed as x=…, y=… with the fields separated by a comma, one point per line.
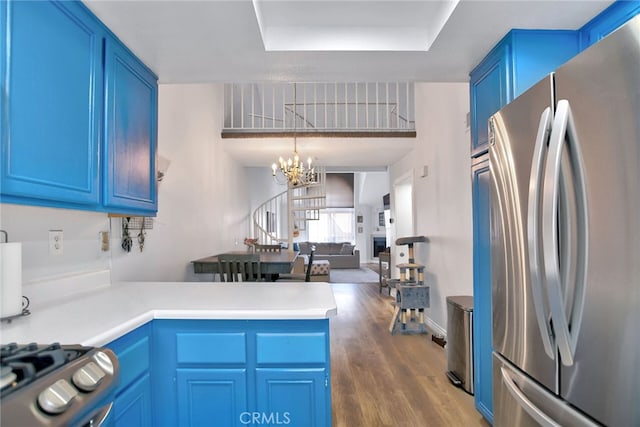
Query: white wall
x=203, y=201
x=442, y=199
x=203, y=205
x=81, y=252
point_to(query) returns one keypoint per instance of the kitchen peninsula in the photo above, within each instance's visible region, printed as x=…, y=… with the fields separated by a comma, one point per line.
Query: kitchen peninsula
x=209, y=351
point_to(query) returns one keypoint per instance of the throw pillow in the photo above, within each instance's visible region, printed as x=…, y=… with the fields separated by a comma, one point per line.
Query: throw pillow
x=347, y=249
x=304, y=247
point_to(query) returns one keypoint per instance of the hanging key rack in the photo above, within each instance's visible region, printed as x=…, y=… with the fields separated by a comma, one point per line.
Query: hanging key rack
x=132, y=224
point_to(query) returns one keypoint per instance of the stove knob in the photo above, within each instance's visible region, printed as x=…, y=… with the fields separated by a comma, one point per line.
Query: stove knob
x=57, y=398
x=103, y=360
x=88, y=377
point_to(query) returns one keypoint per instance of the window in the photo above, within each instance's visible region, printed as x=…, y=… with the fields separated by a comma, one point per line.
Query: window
x=334, y=225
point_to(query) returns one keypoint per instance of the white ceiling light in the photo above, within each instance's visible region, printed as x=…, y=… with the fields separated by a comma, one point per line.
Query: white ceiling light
x=351, y=25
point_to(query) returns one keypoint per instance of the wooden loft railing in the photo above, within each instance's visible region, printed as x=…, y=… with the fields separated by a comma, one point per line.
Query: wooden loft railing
x=319, y=109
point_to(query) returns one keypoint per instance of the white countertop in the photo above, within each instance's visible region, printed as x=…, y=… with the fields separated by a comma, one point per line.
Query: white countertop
x=99, y=316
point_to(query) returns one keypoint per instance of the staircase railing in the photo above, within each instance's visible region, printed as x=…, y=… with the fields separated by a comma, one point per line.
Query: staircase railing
x=269, y=220
x=293, y=207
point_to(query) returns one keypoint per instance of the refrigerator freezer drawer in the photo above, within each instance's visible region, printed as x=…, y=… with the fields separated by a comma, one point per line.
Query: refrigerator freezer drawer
x=520, y=401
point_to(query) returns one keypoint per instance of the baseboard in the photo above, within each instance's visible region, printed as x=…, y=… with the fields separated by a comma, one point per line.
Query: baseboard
x=435, y=329
x=438, y=340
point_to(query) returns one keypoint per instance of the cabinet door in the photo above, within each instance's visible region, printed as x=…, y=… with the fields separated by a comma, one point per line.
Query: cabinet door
x=294, y=396
x=130, y=133
x=132, y=407
x=50, y=103
x=536, y=53
x=482, y=342
x=489, y=88
x=212, y=397
x=608, y=21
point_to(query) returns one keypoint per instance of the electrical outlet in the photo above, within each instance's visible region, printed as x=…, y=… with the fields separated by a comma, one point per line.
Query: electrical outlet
x=56, y=242
x=104, y=241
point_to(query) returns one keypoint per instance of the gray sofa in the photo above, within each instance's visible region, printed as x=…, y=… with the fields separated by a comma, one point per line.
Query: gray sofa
x=339, y=255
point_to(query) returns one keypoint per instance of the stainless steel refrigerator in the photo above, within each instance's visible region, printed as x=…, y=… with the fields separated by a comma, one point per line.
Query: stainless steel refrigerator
x=565, y=243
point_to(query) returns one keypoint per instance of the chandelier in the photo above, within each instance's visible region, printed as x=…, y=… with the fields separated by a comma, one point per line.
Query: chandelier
x=294, y=171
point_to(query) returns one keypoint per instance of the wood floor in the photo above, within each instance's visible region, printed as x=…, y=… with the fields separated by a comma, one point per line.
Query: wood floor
x=379, y=379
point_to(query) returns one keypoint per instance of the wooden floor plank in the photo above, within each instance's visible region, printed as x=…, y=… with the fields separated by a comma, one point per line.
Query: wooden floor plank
x=379, y=379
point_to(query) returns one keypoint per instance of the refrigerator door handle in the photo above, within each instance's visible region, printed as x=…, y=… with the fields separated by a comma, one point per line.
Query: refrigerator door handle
x=533, y=233
x=566, y=329
x=536, y=413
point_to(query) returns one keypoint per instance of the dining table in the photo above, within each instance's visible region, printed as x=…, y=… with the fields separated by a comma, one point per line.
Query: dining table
x=271, y=263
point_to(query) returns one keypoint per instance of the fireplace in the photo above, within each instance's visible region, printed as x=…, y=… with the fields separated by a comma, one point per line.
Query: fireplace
x=379, y=244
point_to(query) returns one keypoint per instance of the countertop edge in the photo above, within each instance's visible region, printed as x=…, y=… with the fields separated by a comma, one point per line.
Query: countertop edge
x=137, y=321
x=119, y=308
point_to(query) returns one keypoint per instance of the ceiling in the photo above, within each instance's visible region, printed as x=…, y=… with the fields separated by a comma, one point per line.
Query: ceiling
x=185, y=41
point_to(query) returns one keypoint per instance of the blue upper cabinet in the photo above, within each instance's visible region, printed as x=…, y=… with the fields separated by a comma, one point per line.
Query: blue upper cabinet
x=608, y=21
x=130, y=133
x=518, y=61
x=51, y=75
x=489, y=92
x=78, y=112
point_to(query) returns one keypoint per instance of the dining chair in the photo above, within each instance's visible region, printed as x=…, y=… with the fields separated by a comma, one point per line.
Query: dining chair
x=239, y=267
x=299, y=277
x=267, y=248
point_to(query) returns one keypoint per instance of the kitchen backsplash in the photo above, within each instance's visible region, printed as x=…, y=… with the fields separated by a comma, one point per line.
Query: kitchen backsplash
x=80, y=245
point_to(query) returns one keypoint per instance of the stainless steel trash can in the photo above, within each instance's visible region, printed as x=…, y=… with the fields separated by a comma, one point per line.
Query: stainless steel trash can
x=460, y=341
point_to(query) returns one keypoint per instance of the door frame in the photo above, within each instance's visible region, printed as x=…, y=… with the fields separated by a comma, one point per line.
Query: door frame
x=406, y=179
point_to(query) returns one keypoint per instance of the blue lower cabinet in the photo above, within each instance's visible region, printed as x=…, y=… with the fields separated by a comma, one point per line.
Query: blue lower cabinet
x=211, y=397
x=241, y=372
x=292, y=396
x=132, y=406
